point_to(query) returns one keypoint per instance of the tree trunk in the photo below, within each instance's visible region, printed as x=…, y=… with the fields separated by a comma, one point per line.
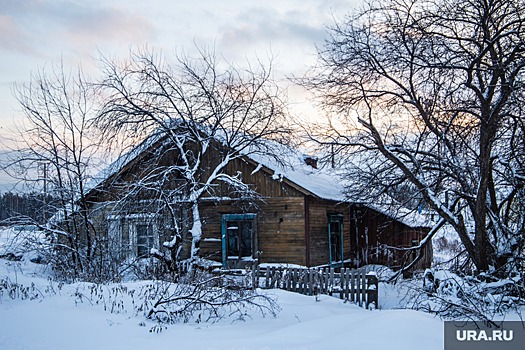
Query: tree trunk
x=483, y=251
x=196, y=230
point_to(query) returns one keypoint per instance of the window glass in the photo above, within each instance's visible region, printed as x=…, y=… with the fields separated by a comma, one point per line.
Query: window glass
x=233, y=238
x=335, y=232
x=145, y=239
x=239, y=238
x=246, y=238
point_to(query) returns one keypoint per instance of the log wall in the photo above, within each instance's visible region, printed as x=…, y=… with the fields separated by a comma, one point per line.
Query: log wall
x=280, y=228
x=319, y=211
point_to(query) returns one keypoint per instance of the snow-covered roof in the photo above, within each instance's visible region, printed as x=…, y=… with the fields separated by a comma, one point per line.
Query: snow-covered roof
x=329, y=183
x=323, y=183
x=288, y=164
x=124, y=159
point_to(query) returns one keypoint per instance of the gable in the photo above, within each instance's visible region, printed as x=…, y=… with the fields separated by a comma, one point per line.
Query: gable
x=261, y=179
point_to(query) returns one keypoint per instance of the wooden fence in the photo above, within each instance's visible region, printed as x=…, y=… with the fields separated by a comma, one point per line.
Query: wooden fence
x=352, y=285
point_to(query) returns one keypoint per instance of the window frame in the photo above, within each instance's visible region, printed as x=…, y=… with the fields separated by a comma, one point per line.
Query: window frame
x=118, y=225
x=225, y=218
x=339, y=218
x=151, y=221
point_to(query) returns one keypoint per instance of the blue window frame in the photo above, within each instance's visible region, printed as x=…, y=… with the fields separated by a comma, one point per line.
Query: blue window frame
x=335, y=240
x=238, y=237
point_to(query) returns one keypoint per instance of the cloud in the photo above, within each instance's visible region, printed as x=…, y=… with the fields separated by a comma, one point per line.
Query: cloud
x=287, y=34
x=36, y=26
x=12, y=36
x=267, y=25
x=108, y=24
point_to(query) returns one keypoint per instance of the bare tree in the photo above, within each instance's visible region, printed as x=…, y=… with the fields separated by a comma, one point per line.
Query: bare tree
x=430, y=92
x=193, y=117
x=206, y=298
x=55, y=151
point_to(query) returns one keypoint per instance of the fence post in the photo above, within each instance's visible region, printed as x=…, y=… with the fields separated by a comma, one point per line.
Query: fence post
x=352, y=286
x=341, y=283
x=347, y=287
x=324, y=281
x=278, y=277
x=356, y=286
x=310, y=282
x=254, y=271
x=305, y=281
x=302, y=284
x=332, y=281
x=291, y=277
x=372, y=289
x=272, y=277
x=299, y=281
x=363, y=288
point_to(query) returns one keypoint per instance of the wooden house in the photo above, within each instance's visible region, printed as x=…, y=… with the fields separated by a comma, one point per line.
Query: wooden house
x=299, y=217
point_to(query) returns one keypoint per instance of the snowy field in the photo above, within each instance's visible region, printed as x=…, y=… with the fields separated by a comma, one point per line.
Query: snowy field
x=56, y=321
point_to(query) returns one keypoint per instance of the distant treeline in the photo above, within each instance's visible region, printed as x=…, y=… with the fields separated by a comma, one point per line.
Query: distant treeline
x=25, y=207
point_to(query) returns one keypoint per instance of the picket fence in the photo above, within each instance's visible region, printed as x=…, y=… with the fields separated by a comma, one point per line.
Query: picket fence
x=349, y=284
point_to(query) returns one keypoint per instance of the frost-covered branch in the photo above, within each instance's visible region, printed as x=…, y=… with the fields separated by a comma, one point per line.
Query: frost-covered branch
x=202, y=117
x=425, y=111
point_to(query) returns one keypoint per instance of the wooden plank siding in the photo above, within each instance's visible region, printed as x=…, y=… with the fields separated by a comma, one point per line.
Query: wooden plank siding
x=372, y=232
x=319, y=211
x=280, y=215
x=280, y=228
x=366, y=235
x=281, y=231
x=261, y=181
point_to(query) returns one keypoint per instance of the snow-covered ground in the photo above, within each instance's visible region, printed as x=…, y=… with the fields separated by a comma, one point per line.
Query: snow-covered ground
x=56, y=320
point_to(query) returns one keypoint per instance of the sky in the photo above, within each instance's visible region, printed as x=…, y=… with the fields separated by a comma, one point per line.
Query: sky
x=35, y=34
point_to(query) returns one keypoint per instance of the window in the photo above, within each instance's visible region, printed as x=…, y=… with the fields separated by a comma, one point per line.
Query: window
x=143, y=234
x=335, y=240
x=145, y=239
x=238, y=238
x=132, y=235
x=239, y=235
